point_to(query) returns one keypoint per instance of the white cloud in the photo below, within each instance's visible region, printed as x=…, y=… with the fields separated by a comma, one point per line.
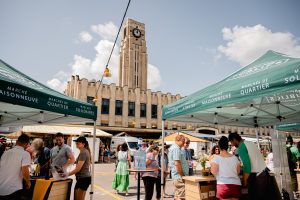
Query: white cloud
x=85, y=37
x=59, y=82
x=107, y=31
x=245, y=44
x=153, y=77
x=94, y=68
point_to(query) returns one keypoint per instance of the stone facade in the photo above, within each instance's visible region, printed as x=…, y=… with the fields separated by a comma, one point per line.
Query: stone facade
x=85, y=90
x=133, y=56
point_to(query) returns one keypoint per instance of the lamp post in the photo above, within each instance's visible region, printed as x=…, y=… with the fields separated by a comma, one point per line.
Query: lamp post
x=106, y=73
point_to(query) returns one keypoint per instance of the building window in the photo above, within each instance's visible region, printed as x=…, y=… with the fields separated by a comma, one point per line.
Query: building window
x=119, y=107
x=143, y=110
x=104, y=124
x=105, y=106
x=154, y=111
x=131, y=109
x=90, y=99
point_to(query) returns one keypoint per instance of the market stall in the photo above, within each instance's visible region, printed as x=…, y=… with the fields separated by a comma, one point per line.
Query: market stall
x=24, y=101
x=264, y=93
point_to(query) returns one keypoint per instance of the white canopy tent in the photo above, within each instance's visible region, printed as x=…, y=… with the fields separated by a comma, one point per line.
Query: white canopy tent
x=64, y=129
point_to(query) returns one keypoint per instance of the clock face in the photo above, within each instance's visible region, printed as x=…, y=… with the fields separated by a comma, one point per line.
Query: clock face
x=136, y=32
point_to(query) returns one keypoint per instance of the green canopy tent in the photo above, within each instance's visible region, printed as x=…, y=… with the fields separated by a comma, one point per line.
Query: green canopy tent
x=263, y=93
x=293, y=127
x=24, y=101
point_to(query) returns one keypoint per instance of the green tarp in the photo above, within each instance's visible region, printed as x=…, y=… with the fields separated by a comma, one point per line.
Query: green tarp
x=265, y=92
x=22, y=98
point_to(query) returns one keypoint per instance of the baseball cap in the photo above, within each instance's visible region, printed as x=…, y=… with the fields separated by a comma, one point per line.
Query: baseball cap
x=81, y=139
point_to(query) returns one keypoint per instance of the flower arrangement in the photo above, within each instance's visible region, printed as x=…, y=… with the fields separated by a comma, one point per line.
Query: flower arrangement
x=202, y=159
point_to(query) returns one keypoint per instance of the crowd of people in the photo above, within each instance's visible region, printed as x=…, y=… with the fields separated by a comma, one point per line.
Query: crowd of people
x=15, y=166
x=244, y=159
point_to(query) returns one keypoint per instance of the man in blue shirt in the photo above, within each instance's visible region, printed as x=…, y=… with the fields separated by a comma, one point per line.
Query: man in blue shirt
x=188, y=155
x=179, y=166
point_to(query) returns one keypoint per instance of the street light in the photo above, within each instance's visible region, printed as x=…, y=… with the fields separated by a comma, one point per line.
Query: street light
x=106, y=73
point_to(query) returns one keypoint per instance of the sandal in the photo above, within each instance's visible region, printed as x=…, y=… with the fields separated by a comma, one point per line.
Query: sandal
x=166, y=196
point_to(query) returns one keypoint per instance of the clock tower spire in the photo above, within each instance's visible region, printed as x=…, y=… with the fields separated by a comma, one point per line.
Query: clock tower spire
x=133, y=56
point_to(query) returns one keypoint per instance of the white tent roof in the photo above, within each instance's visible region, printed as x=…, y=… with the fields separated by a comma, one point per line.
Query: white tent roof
x=66, y=130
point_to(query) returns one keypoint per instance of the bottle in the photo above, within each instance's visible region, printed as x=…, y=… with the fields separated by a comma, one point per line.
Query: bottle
x=47, y=171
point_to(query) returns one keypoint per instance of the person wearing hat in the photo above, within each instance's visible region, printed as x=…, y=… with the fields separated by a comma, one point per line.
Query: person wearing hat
x=82, y=169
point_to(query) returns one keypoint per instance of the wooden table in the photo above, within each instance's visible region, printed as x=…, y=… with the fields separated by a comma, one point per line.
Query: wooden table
x=139, y=178
x=200, y=187
x=298, y=178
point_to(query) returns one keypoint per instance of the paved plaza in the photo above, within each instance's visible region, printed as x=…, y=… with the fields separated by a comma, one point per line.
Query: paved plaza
x=104, y=175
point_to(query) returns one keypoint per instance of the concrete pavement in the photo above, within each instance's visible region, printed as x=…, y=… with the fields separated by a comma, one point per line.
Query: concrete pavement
x=104, y=175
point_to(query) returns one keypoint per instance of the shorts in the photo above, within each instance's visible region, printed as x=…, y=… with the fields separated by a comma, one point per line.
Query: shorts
x=179, y=189
x=83, y=183
x=226, y=191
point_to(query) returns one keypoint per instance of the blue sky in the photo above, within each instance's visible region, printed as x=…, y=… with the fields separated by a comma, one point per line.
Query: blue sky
x=191, y=44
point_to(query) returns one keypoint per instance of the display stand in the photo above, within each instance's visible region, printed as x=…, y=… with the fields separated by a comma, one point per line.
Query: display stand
x=200, y=187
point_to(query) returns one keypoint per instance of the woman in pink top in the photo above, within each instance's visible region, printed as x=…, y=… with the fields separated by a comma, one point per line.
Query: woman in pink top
x=150, y=178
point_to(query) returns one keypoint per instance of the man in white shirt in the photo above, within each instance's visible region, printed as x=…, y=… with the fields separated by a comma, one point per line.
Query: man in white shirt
x=14, y=167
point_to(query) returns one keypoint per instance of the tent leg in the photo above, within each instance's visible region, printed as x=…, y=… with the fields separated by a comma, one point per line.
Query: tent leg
x=280, y=158
x=93, y=163
x=257, y=137
x=162, y=161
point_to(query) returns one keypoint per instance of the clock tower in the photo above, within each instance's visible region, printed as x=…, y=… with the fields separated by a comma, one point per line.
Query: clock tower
x=133, y=56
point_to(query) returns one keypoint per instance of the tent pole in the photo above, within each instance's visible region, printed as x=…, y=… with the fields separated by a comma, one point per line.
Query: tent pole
x=280, y=158
x=162, y=161
x=257, y=138
x=93, y=162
